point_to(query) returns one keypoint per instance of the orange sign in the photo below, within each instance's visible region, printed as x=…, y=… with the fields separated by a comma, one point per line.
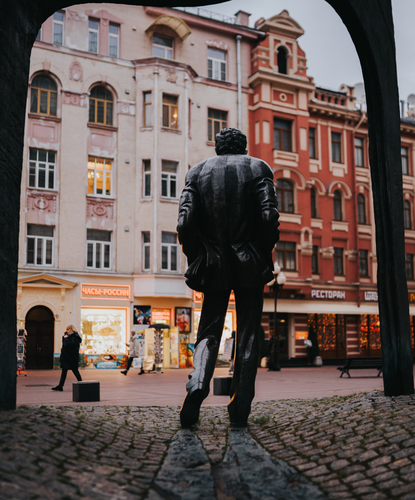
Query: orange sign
x=198, y=297
x=117, y=292
x=412, y=297
x=160, y=316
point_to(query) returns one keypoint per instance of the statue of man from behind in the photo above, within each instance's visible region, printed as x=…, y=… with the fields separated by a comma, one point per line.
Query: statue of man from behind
x=227, y=226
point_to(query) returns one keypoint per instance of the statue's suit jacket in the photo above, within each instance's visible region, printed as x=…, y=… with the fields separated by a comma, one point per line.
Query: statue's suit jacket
x=228, y=223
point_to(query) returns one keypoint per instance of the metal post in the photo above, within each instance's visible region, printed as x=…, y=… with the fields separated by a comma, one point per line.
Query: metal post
x=275, y=365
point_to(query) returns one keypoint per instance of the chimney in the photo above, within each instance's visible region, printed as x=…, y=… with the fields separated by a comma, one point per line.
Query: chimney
x=242, y=18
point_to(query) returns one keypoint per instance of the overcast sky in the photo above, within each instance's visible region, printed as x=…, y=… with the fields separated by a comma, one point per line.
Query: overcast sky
x=331, y=56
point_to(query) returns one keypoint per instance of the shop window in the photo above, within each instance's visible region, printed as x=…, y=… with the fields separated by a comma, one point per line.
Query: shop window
x=43, y=96
x=359, y=152
x=93, y=35
x=146, y=178
x=361, y=209
x=409, y=266
x=282, y=134
x=101, y=106
x=312, y=142
x=404, y=160
x=338, y=262
x=58, y=20
x=285, y=196
x=99, y=176
x=282, y=60
x=39, y=245
x=313, y=203
x=98, y=249
x=363, y=263
x=42, y=168
x=336, y=148
x=169, y=251
x=337, y=205
x=148, y=109
x=170, y=114
x=370, y=335
x=286, y=255
x=216, y=64
x=330, y=330
x=162, y=46
x=104, y=334
x=146, y=250
x=113, y=39
x=407, y=219
x=314, y=260
x=169, y=179
x=217, y=120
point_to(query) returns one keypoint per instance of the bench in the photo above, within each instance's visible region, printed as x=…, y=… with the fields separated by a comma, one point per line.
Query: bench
x=83, y=392
x=361, y=364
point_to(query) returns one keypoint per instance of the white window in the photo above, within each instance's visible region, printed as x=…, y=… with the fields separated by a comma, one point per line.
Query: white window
x=169, y=251
x=42, y=169
x=114, y=36
x=99, y=176
x=146, y=250
x=168, y=179
x=39, y=245
x=93, y=35
x=146, y=178
x=58, y=18
x=98, y=249
x=162, y=46
x=217, y=64
x=147, y=109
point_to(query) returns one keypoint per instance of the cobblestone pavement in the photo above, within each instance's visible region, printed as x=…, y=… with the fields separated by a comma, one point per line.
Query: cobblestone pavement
x=351, y=447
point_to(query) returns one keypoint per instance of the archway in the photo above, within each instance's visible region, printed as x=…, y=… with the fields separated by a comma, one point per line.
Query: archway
x=40, y=327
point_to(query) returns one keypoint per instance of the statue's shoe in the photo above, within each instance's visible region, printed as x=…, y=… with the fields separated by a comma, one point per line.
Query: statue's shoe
x=189, y=413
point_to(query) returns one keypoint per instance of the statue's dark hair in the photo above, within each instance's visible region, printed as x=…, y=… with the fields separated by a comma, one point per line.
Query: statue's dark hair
x=230, y=141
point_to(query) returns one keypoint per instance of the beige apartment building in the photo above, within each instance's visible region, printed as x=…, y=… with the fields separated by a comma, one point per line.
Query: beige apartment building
x=122, y=100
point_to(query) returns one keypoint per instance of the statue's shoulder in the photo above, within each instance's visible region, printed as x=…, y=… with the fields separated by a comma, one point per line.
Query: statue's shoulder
x=194, y=172
x=260, y=168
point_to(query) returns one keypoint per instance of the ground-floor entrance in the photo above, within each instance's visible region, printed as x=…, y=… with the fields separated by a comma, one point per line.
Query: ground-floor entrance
x=40, y=327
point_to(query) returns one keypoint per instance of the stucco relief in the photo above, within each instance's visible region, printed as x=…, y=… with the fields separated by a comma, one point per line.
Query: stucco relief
x=39, y=201
x=217, y=43
x=126, y=108
x=76, y=72
x=171, y=75
x=97, y=207
x=74, y=99
x=76, y=16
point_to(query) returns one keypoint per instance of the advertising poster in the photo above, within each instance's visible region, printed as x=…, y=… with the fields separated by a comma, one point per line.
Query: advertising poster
x=183, y=355
x=106, y=361
x=142, y=315
x=174, y=349
x=160, y=315
x=183, y=319
x=190, y=355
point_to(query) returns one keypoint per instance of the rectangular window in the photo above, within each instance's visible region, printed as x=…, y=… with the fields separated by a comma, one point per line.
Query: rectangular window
x=363, y=263
x=409, y=266
x=286, y=255
x=170, y=115
x=169, y=251
x=93, y=35
x=98, y=249
x=169, y=179
x=162, y=46
x=359, y=152
x=58, y=18
x=146, y=250
x=404, y=160
x=217, y=120
x=147, y=109
x=217, y=64
x=338, y=262
x=312, y=142
x=42, y=169
x=99, y=176
x=39, y=245
x=282, y=134
x=114, y=39
x=314, y=260
x=336, y=148
x=146, y=178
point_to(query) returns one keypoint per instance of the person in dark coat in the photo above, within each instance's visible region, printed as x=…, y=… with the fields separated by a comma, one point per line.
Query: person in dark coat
x=69, y=358
x=227, y=226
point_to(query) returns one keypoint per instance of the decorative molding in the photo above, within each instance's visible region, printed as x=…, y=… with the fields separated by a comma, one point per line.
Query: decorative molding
x=327, y=253
x=99, y=207
x=76, y=72
x=171, y=75
x=74, y=98
x=126, y=108
x=40, y=201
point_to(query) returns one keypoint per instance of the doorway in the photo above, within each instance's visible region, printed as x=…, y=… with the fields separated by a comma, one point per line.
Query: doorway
x=40, y=327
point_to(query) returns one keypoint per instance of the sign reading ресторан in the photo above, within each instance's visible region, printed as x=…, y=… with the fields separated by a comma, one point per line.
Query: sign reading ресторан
x=328, y=294
x=117, y=292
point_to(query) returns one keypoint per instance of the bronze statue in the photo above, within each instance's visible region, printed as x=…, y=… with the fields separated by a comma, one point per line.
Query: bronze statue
x=228, y=226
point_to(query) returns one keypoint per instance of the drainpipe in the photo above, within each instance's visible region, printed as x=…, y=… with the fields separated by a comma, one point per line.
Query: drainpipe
x=155, y=168
x=238, y=67
x=187, y=124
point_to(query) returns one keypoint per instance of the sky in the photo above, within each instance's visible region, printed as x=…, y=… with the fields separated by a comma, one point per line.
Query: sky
x=335, y=62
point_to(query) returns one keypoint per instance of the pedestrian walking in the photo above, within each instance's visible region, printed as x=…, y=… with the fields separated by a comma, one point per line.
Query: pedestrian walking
x=134, y=351
x=69, y=358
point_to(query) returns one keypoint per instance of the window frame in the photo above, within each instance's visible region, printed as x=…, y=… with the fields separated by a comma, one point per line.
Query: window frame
x=169, y=179
x=147, y=113
x=338, y=261
x=48, y=170
x=215, y=65
x=338, y=205
x=171, y=248
x=103, y=246
x=36, y=239
x=116, y=37
x=283, y=250
x=361, y=208
x=409, y=266
x=162, y=47
x=364, y=263
x=405, y=160
x=171, y=108
x=338, y=147
x=146, y=251
x=92, y=31
x=283, y=134
x=58, y=23
x=315, y=268
x=110, y=161
x=146, y=178
x=96, y=102
x=313, y=203
x=407, y=214
x=281, y=195
x=361, y=150
x=223, y=123
x=312, y=143
x=50, y=92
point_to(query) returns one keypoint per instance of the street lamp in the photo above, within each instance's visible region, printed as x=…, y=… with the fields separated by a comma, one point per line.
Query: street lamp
x=276, y=284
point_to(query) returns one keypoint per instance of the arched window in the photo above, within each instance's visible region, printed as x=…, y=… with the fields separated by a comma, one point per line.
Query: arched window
x=100, y=106
x=43, y=96
x=282, y=60
x=361, y=209
x=407, y=219
x=285, y=196
x=337, y=205
x=313, y=203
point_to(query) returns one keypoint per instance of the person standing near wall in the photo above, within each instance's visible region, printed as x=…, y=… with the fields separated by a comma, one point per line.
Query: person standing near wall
x=134, y=352
x=69, y=358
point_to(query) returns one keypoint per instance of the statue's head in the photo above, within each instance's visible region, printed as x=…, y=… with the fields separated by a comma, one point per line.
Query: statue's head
x=230, y=141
